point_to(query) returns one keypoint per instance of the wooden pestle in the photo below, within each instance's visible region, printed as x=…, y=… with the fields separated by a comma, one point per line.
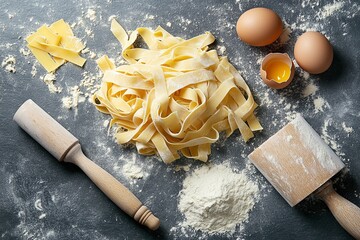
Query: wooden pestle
x=65, y=147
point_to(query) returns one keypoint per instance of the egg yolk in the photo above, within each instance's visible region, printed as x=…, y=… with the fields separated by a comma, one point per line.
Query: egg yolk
x=278, y=71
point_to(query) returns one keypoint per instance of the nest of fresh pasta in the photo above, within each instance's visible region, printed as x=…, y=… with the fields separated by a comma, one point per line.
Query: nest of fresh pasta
x=174, y=97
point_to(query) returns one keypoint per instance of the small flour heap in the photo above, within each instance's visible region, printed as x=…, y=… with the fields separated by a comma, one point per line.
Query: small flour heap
x=214, y=199
x=9, y=64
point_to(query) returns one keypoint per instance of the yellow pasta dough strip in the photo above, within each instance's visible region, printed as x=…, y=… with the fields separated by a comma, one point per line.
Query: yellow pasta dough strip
x=49, y=63
x=176, y=96
x=46, y=33
x=186, y=79
x=254, y=123
x=105, y=63
x=57, y=51
x=68, y=40
x=123, y=80
x=54, y=45
x=119, y=32
x=61, y=28
x=165, y=153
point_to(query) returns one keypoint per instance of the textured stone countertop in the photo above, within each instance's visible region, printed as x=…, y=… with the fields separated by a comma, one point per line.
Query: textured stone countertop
x=44, y=199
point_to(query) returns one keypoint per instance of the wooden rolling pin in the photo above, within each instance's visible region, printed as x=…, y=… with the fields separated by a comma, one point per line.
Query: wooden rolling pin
x=297, y=162
x=65, y=147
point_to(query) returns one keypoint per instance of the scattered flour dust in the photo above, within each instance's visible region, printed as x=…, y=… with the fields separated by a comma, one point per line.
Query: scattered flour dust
x=285, y=35
x=185, y=168
x=132, y=167
x=221, y=50
x=330, y=9
x=25, y=52
x=106, y=123
x=330, y=139
x=49, y=80
x=310, y=90
x=38, y=204
x=39, y=207
x=149, y=17
x=347, y=129
x=320, y=104
x=75, y=97
x=91, y=14
x=131, y=170
x=215, y=199
x=91, y=54
x=306, y=21
x=9, y=64
x=34, y=69
x=79, y=93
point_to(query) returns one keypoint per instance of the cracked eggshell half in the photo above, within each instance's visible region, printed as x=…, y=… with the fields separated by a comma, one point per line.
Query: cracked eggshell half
x=277, y=70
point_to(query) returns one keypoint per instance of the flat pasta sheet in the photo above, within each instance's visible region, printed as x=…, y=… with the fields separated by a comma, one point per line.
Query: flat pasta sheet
x=54, y=45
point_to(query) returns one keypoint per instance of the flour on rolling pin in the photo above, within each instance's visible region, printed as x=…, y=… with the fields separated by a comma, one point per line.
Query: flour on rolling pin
x=296, y=161
x=311, y=140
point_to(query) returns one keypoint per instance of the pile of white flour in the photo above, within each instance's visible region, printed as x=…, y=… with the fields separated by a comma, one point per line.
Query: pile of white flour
x=214, y=199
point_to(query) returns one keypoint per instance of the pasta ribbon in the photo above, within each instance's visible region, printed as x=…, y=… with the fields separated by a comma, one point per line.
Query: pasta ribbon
x=54, y=45
x=174, y=97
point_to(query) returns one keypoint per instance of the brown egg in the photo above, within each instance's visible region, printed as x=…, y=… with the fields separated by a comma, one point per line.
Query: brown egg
x=313, y=52
x=259, y=26
x=277, y=70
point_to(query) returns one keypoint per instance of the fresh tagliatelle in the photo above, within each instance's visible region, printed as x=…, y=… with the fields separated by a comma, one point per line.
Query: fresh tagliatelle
x=54, y=45
x=174, y=97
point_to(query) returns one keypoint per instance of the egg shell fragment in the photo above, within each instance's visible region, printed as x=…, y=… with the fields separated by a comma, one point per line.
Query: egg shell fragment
x=259, y=27
x=283, y=57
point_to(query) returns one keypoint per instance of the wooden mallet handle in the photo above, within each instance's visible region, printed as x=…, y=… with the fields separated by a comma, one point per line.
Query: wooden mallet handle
x=65, y=147
x=345, y=212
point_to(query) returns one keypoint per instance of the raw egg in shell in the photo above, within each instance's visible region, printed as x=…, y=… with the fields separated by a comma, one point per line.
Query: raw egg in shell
x=259, y=26
x=313, y=52
x=277, y=70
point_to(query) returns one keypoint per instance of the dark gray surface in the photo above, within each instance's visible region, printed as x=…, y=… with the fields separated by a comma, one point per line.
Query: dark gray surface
x=76, y=209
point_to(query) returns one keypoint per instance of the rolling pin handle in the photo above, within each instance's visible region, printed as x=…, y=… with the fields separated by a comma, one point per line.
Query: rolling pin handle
x=345, y=212
x=65, y=147
x=112, y=188
x=145, y=217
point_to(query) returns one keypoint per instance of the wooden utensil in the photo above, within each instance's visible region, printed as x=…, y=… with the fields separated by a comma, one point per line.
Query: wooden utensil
x=297, y=162
x=66, y=148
